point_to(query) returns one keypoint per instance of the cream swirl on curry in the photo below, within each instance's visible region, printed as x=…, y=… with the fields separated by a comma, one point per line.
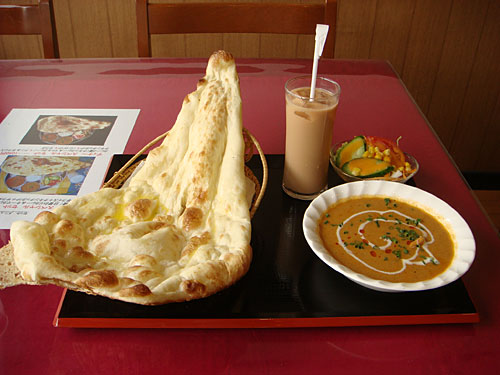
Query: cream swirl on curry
x=386, y=239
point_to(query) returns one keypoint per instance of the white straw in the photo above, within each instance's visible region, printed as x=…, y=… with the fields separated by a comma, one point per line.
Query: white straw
x=320, y=39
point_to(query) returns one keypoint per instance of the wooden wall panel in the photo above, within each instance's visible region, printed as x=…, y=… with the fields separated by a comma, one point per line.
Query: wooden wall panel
x=242, y=45
x=96, y=28
x=20, y=46
x=305, y=46
x=66, y=31
x=355, y=23
x=425, y=43
x=457, y=57
x=275, y=46
x=121, y=15
x=391, y=31
x=475, y=145
x=91, y=28
x=168, y=45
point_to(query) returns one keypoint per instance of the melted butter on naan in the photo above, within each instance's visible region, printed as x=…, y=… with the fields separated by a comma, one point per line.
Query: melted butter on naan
x=179, y=230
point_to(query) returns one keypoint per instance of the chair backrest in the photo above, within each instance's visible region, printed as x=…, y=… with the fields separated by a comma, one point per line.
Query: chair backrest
x=270, y=18
x=35, y=19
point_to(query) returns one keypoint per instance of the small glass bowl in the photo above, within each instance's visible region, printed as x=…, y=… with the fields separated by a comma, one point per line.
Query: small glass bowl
x=350, y=178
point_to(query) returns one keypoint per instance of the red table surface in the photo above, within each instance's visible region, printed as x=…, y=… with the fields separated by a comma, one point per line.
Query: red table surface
x=373, y=101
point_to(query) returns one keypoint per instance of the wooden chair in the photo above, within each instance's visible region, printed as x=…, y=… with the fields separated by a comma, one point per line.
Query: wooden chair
x=270, y=18
x=35, y=19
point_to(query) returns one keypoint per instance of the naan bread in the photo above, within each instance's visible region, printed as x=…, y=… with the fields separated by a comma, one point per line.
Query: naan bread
x=181, y=228
x=63, y=124
x=41, y=165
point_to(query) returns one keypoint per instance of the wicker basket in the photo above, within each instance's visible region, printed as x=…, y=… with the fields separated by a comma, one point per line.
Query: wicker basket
x=126, y=171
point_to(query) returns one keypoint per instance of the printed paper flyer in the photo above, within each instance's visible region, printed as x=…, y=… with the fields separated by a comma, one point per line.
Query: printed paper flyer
x=50, y=156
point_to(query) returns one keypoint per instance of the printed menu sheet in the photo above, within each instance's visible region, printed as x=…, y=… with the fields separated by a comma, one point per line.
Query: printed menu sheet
x=50, y=156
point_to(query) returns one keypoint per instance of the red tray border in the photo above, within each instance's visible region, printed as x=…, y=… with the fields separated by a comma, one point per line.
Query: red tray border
x=349, y=321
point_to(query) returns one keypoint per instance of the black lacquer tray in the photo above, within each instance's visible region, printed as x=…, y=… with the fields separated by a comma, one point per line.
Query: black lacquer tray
x=287, y=285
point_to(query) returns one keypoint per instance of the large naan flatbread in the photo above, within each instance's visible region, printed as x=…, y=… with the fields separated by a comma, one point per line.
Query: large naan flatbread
x=180, y=229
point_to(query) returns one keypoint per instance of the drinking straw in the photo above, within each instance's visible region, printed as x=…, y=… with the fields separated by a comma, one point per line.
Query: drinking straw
x=320, y=39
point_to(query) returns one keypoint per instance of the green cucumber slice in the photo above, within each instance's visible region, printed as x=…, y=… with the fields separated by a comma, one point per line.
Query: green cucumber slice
x=351, y=150
x=367, y=168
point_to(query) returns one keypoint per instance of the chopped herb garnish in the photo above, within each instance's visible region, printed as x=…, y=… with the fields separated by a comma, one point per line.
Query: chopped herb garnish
x=358, y=245
x=334, y=225
x=387, y=201
x=368, y=205
x=326, y=222
x=397, y=253
x=376, y=222
x=413, y=222
x=327, y=215
x=385, y=258
x=410, y=235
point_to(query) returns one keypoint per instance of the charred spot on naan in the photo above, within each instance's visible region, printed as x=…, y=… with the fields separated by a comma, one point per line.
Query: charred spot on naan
x=139, y=290
x=98, y=279
x=192, y=218
x=68, y=230
x=77, y=259
x=194, y=243
x=79, y=253
x=46, y=218
x=238, y=262
x=101, y=245
x=59, y=246
x=168, y=219
x=212, y=274
x=140, y=273
x=193, y=289
x=144, y=260
x=64, y=227
x=141, y=209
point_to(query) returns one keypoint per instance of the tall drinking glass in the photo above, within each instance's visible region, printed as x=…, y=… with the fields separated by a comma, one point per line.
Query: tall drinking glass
x=309, y=127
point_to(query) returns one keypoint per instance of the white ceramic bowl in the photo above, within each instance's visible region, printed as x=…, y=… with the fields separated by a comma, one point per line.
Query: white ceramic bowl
x=464, y=240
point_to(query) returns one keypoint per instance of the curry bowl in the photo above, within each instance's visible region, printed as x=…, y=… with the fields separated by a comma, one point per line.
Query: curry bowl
x=403, y=178
x=457, y=227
